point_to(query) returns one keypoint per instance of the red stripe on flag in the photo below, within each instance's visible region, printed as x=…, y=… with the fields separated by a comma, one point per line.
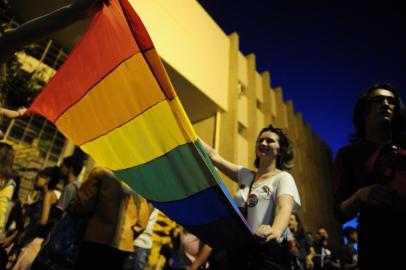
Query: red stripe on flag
x=137, y=27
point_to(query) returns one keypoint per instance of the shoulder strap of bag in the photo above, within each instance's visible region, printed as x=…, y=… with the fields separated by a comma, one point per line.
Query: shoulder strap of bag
x=245, y=213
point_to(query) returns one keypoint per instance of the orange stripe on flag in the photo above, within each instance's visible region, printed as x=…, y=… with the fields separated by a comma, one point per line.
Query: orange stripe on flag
x=126, y=92
x=159, y=71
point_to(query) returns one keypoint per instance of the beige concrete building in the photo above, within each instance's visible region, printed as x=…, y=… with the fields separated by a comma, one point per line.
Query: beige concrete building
x=226, y=98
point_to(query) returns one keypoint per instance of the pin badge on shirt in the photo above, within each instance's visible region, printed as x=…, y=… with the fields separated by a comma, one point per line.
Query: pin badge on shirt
x=266, y=189
x=252, y=200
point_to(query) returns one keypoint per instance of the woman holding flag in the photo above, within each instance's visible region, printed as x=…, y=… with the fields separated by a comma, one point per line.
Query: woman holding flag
x=267, y=197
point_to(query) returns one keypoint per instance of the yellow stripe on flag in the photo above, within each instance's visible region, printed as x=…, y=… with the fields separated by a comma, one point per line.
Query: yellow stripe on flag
x=126, y=92
x=182, y=118
x=150, y=135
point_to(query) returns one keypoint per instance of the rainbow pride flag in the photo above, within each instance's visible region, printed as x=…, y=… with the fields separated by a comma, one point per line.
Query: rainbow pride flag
x=112, y=97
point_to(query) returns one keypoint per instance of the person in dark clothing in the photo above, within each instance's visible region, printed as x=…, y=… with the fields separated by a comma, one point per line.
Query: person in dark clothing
x=301, y=246
x=370, y=177
x=350, y=254
x=327, y=256
x=41, y=220
x=71, y=168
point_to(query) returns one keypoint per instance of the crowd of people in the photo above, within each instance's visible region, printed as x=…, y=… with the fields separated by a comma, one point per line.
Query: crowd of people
x=111, y=210
x=101, y=199
x=114, y=225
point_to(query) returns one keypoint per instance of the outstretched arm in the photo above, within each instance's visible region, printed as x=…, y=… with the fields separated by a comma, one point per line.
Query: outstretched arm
x=228, y=168
x=348, y=198
x=13, y=113
x=45, y=25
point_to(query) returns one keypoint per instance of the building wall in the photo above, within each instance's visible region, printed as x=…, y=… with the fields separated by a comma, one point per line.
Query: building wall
x=189, y=40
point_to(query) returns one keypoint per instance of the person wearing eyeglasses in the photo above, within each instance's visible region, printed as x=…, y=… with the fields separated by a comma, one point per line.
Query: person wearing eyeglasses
x=370, y=177
x=266, y=197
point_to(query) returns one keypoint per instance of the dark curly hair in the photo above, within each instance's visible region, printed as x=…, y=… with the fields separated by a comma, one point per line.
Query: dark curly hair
x=285, y=152
x=362, y=107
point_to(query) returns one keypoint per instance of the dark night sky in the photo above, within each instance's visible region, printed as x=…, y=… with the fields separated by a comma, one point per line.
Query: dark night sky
x=323, y=54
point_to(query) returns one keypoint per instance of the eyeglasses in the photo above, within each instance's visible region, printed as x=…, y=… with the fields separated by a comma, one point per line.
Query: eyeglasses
x=381, y=99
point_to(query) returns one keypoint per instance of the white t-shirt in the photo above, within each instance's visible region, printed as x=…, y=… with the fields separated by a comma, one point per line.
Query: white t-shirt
x=262, y=200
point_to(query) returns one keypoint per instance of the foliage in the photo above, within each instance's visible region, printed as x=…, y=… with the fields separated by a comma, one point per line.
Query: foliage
x=17, y=86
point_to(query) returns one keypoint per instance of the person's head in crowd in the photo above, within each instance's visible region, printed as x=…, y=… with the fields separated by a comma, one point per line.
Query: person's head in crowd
x=321, y=236
x=273, y=143
x=71, y=165
x=6, y=160
x=48, y=178
x=380, y=106
x=295, y=224
x=351, y=234
x=310, y=235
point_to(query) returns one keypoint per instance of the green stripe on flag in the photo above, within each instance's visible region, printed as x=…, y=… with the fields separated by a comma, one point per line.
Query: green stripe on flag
x=176, y=175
